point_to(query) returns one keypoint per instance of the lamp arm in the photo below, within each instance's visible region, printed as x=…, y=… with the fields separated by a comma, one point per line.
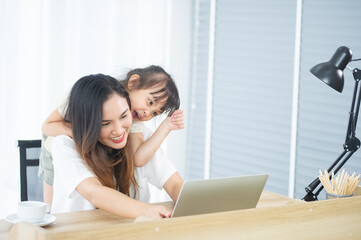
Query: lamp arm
x=351, y=145
x=357, y=76
x=355, y=106
x=356, y=59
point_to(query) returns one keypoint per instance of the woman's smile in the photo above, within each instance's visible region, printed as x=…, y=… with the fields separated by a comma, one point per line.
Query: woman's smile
x=118, y=139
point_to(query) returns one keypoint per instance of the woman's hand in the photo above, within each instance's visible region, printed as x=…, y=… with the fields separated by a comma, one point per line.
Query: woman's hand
x=156, y=212
x=176, y=120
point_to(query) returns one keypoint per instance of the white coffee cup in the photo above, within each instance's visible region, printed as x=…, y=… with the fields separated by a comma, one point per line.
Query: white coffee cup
x=32, y=211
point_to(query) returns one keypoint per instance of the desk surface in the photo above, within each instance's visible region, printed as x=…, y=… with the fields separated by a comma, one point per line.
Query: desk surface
x=98, y=218
x=276, y=217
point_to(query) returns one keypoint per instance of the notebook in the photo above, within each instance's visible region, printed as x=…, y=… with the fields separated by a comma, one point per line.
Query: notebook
x=219, y=194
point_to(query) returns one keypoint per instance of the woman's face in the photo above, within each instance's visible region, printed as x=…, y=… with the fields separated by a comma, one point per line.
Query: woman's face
x=116, y=122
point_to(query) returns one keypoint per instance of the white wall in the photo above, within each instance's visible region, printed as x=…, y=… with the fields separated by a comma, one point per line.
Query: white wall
x=179, y=66
x=47, y=45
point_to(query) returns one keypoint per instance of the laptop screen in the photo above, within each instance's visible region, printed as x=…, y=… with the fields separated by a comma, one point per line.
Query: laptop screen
x=219, y=194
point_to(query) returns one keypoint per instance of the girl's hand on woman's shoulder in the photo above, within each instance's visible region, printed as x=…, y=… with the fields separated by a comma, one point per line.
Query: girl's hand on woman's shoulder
x=176, y=120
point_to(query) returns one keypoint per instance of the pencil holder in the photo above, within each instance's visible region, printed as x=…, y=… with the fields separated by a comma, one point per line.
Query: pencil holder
x=332, y=196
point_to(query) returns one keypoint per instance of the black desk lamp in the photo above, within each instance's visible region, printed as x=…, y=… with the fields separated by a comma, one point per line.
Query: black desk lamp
x=331, y=73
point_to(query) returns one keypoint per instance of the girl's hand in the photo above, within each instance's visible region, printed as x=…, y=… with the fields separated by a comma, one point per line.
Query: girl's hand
x=176, y=120
x=157, y=212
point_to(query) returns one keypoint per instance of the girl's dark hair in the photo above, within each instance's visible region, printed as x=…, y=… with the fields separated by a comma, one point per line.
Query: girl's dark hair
x=113, y=167
x=154, y=76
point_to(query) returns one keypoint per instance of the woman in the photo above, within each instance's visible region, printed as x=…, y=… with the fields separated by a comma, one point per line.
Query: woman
x=96, y=169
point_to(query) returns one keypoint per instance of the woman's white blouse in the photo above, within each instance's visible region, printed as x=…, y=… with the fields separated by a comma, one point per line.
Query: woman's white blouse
x=70, y=170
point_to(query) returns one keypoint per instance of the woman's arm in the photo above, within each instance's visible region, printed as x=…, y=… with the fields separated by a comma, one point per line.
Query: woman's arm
x=118, y=203
x=144, y=150
x=173, y=186
x=53, y=125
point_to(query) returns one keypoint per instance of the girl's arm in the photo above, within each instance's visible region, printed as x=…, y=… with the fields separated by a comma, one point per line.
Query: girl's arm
x=53, y=125
x=117, y=203
x=144, y=150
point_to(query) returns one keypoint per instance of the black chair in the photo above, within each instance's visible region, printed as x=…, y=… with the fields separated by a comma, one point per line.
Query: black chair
x=31, y=186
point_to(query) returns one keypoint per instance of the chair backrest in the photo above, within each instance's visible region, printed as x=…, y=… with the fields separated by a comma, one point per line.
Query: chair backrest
x=31, y=186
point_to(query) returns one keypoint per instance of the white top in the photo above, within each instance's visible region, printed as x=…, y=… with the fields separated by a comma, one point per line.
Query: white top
x=70, y=170
x=137, y=127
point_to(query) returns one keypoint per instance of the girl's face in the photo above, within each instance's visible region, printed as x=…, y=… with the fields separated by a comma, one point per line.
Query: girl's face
x=144, y=107
x=116, y=122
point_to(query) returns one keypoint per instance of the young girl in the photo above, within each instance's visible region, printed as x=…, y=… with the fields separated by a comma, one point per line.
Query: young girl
x=94, y=168
x=152, y=92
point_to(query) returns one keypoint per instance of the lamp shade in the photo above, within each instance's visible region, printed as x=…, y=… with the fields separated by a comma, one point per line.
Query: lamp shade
x=331, y=72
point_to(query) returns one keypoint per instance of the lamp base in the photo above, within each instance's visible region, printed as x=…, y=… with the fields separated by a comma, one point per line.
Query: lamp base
x=309, y=197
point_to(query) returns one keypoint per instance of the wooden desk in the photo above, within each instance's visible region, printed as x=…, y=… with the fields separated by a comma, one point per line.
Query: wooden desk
x=276, y=217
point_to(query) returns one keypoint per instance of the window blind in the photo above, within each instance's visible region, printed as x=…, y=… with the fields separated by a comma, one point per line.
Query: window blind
x=252, y=92
x=198, y=91
x=253, y=79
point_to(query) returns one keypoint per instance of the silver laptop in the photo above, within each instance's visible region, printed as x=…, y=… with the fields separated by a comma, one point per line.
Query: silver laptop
x=217, y=195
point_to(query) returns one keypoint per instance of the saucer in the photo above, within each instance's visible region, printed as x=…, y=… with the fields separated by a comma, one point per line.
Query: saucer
x=13, y=218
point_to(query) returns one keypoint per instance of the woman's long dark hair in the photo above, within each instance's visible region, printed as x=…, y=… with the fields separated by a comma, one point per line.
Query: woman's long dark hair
x=84, y=114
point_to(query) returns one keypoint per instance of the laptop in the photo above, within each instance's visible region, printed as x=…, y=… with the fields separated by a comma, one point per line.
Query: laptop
x=218, y=195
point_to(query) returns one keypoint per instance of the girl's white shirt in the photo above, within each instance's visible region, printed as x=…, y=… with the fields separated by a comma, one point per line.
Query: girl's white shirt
x=137, y=127
x=70, y=170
